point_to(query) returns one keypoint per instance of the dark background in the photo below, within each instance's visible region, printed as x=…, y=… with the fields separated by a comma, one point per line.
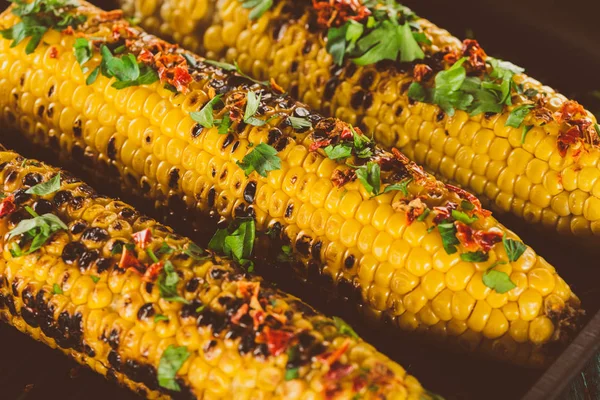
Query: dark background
x=557, y=42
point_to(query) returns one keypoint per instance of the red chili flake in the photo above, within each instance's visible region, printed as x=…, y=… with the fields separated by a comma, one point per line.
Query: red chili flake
x=568, y=110
x=318, y=144
x=145, y=56
x=487, y=239
x=258, y=316
x=463, y=194
x=443, y=213
x=340, y=178
x=337, y=12
x=330, y=357
x=7, y=206
x=464, y=234
x=53, y=52
x=243, y=310
x=277, y=340
x=68, y=31
x=422, y=72
x=400, y=156
x=346, y=133
x=276, y=87
x=129, y=260
x=566, y=139
x=152, y=272
x=588, y=130
x=451, y=57
x=475, y=54
x=250, y=289
x=339, y=371
x=359, y=383
x=142, y=238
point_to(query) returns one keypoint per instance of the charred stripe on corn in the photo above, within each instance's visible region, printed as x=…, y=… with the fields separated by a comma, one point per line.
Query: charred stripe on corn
x=233, y=336
x=382, y=249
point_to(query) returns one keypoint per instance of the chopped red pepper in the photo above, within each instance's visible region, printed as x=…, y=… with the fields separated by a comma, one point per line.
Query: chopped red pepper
x=568, y=138
x=346, y=133
x=318, y=144
x=473, y=51
x=337, y=12
x=7, y=206
x=277, y=340
x=340, y=178
x=422, y=72
x=569, y=110
x=276, y=87
x=443, y=213
x=129, y=260
x=339, y=371
x=464, y=234
x=487, y=239
x=143, y=238
x=53, y=52
x=330, y=357
x=152, y=272
x=463, y=194
x=243, y=310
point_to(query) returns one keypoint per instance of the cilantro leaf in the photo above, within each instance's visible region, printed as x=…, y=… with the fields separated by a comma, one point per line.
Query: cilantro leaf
x=362, y=144
x=259, y=7
x=463, y=217
x=160, y=317
x=370, y=177
x=170, y=363
x=56, y=289
x=252, y=104
x=447, y=93
x=449, y=241
x=514, y=249
x=223, y=65
x=95, y=278
x=83, y=51
x=235, y=243
x=409, y=47
x=196, y=252
x=125, y=69
x=382, y=43
x=167, y=284
x=262, y=159
x=401, y=186
x=338, y=151
x=44, y=188
x=498, y=281
x=205, y=116
x=291, y=373
x=475, y=256
x=526, y=130
x=516, y=116
x=344, y=328
x=39, y=229
x=342, y=40
x=299, y=124
x=225, y=125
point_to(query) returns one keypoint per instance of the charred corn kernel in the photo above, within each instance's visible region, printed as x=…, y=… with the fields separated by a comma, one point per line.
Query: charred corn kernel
x=478, y=149
x=113, y=329
x=143, y=140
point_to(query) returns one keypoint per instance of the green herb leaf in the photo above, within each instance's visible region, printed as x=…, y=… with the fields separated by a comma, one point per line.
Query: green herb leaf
x=362, y=144
x=44, y=188
x=291, y=373
x=370, y=177
x=164, y=249
x=338, y=151
x=382, y=43
x=417, y=92
x=56, y=289
x=95, y=278
x=300, y=124
x=262, y=159
x=449, y=240
x=526, y=130
x=498, y=281
x=196, y=252
x=409, y=47
x=467, y=205
x=252, y=104
x=342, y=40
x=516, y=116
x=447, y=92
x=171, y=361
x=463, y=217
x=236, y=242
x=344, y=328
x=205, y=116
x=475, y=256
x=167, y=284
x=422, y=217
x=225, y=125
x=514, y=249
x=401, y=186
x=126, y=70
x=258, y=7
x=93, y=76
x=83, y=51
x=222, y=65
x=160, y=317
x=39, y=229
x=15, y=250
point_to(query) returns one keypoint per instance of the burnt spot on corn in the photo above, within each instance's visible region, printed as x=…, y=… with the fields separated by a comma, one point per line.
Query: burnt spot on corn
x=250, y=192
x=50, y=111
x=228, y=140
x=349, y=261
x=78, y=227
x=274, y=135
x=43, y=206
x=174, y=178
x=87, y=258
x=367, y=79
x=61, y=197
x=32, y=179
x=40, y=111
x=303, y=245
x=95, y=234
x=51, y=91
x=72, y=251
x=210, y=199
x=77, y=131
x=111, y=149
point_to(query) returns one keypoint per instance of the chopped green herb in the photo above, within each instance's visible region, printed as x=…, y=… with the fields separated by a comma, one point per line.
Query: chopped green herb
x=171, y=361
x=196, y=252
x=200, y=308
x=258, y=7
x=531, y=93
x=463, y=217
x=125, y=69
x=93, y=76
x=15, y=250
x=362, y=144
x=338, y=151
x=152, y=255
x=95, y=278
x=514, y=249
x=237, y=241
x=475, y=256
x=160, y=317
x=422, y=217
x=516, y=116
x=118, y=248
x=164, y=249
x=467, y=205
x=225, y=124
x=291, y=373
x=344, y=328
x=342, y=40
x=299, y=123
x=38, y=229
x=83, y=52
x=286, y=254
x=449, y=240
x=252, y=104
x=401, y=186
x=44, y=188
x=370, y=177
x=498, y=280
x=167, y=284
x=205, y=116
x=262, y=159
x=56, y=289
x=222, y=65
x=526, y=130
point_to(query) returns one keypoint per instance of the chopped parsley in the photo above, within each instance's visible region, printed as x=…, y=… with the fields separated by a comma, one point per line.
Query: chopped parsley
x=95, y=278
x=449, y=240
x=125, y=69
x=422, y=217
x=467, y=205
x=344, y=328
x=164, y=249
x=236, y=242
x=370, y=177
x=56, y=289
x=252, y=104
x=291, y=373
x=171, y=361
x=299, y=123
x=262, y=159
x=475, y=256
x=205, y=116
x=37, y=17
x=339, y=151
x=526, y=130
x=498, y=280
x=514, y=249
x=160, y=317
x=83, y=52
x=258, y=7
x=195, y=252
x=401, y=186
x=516, y=116
x=118, y=248
x=224, y=124
x=167, y=284
x=463, y=217
x=38, y=229
x=44, y=188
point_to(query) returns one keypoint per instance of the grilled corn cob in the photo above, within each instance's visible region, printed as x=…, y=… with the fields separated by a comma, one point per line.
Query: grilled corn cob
x=548, y=175
x=405, y=247
x=97, y=287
